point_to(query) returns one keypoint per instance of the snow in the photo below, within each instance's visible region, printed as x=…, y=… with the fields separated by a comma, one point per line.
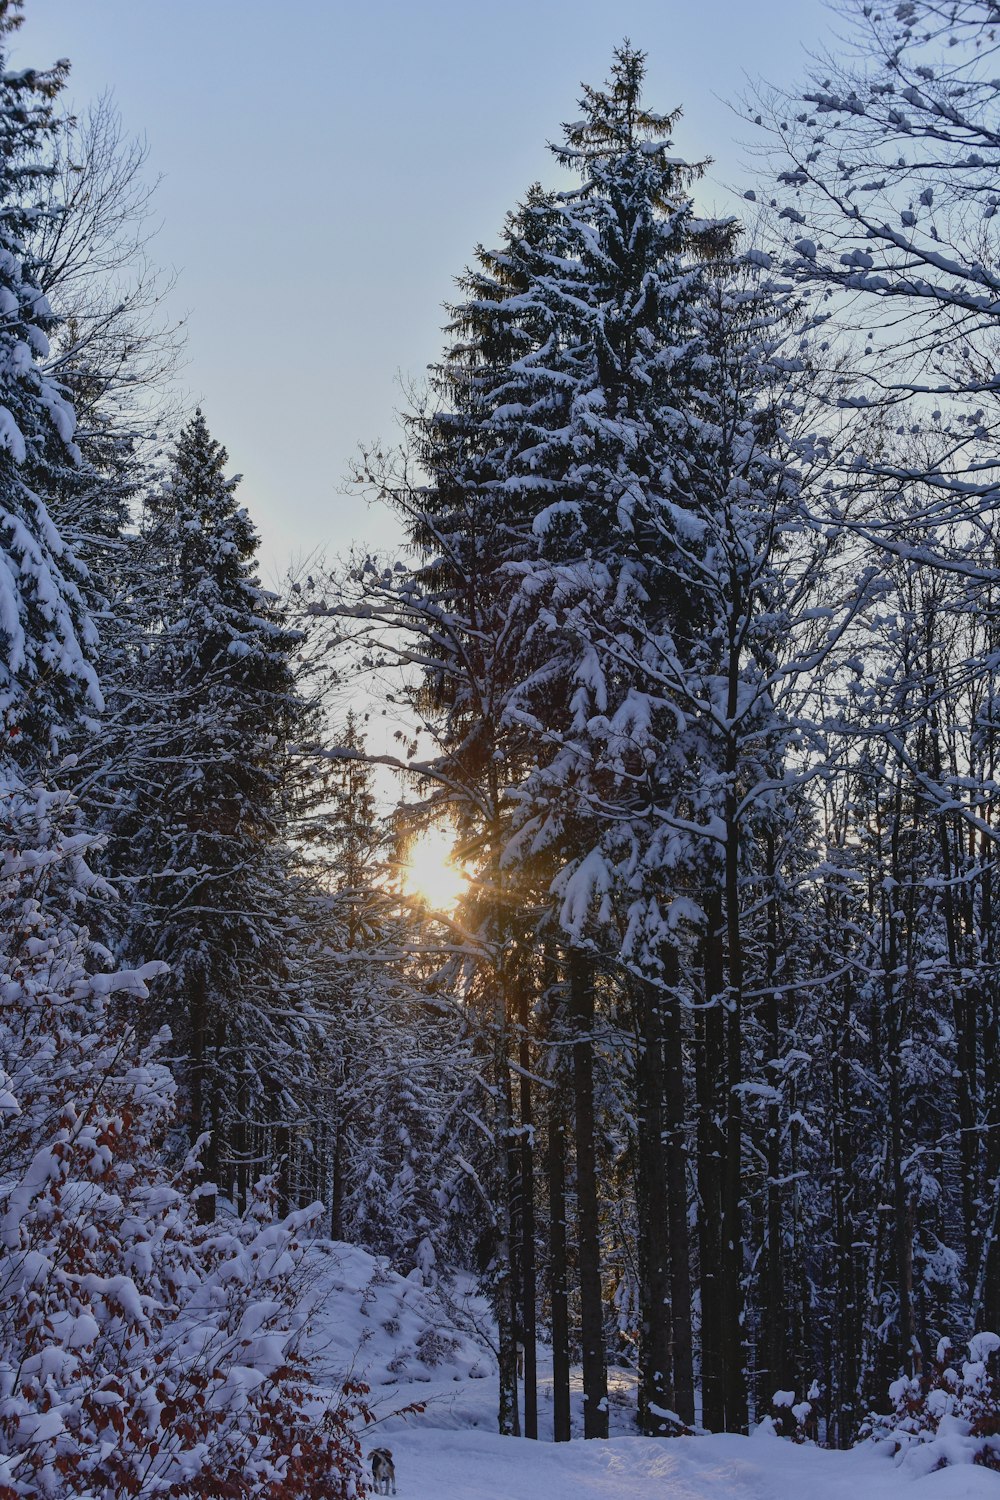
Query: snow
x=405, y=1341
x=481, y=1465
x=410, y=1344
x=982, y=1345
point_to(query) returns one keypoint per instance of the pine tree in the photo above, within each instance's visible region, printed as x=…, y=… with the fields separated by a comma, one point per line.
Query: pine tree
x=46, y=639
x=202, y=827
x=619, y=616
x=614, y=585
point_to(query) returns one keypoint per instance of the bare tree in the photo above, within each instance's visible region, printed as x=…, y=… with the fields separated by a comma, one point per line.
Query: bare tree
x=117, y=348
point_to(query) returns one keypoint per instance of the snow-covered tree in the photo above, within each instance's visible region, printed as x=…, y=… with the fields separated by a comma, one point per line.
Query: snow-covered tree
x=201, y=824
x=46, y=640
x=608, y=497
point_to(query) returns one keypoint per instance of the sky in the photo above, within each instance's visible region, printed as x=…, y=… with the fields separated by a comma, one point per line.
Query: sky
x=327, y=168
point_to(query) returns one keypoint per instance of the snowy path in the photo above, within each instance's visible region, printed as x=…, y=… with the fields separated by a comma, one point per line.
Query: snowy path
x=475, y=1465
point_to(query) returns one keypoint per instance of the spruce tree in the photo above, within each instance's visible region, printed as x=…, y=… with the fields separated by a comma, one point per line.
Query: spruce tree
x=47, y=641
x=200, y=832
x=604, y=613
x=611, y=585
x=559, y=463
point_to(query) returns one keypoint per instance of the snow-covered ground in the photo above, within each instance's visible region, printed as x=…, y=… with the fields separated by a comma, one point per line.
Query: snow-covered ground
x=435, y=1465
x=409, y=1347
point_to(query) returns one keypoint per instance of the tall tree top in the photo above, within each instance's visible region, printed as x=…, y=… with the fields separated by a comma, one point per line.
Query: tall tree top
x=209, y=595
x=214, y=536
x=616, y=123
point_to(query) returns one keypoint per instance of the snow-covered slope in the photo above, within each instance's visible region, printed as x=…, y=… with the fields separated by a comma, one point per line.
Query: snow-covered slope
x=405, y=1342
x=411, y=1345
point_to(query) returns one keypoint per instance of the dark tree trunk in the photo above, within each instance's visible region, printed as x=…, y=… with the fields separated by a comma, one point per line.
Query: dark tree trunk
x=198, y=1021
x=733, y=1339
x=201, y=1100
x=595, y=1378
x=505, y=1272
x=241, y=1147
x=986, y=1300
x=512, y=1270
x=772, y=1358
x=964, y=1014
x=710, y=1073
x=986, y=1303
x=846, y=1326
x=894, y=1001
x=339, y=1120
x=527, y=1199
x=558, y=1269
x=902, y=1216
x=337, y=1185
x=503, y=1308
x=677, y=1199
x=656, y=1395
x=283, y=1182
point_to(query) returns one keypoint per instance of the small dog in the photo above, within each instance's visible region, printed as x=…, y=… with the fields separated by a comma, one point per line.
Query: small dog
x=383, y=1471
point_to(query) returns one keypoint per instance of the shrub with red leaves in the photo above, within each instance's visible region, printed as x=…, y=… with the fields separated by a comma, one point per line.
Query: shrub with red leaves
x=949, y=1413
x=141, y=1352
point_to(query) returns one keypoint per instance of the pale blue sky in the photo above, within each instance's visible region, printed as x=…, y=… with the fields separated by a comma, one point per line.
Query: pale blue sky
x=329, y=166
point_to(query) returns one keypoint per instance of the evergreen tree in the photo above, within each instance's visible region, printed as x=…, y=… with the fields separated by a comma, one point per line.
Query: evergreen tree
x=46, y=639
x=577, y=515
x=200, y=833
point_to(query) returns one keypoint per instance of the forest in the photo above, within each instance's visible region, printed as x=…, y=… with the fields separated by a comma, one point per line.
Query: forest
x=688, y=661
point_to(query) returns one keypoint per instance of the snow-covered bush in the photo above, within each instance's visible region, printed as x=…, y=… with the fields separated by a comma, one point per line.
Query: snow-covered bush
x=141, y=1352
x=949, y=1413
x=794, y=1419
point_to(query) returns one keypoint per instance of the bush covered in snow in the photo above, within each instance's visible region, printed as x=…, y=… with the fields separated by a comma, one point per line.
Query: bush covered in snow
x=792, y=1418
x=142, y=1353
x=949, y=1413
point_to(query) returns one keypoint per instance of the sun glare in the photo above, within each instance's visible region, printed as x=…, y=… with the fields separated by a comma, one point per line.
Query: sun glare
x=429, y=873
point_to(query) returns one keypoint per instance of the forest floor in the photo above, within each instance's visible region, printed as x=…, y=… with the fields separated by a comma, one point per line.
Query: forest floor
x=409, y=1348
x=479, y=1465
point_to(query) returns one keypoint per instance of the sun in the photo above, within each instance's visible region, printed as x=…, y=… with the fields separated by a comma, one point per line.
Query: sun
x=429, y=873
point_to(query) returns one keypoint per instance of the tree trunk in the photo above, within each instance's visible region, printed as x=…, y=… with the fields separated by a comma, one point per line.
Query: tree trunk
x=902, y=1218
x=846, y=1327
x=198, y=1021
x=711, y=1142
x=337, y=1184
x=677, y=1198
x=595, y=1378
x=656, y=1395
x=201, y=1108
x=772, y=1373
x=894, y=997
x=558, y=1269
x=512, y=1260
x=734, y=1350
x=986, y=1299
x=527, y=1196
